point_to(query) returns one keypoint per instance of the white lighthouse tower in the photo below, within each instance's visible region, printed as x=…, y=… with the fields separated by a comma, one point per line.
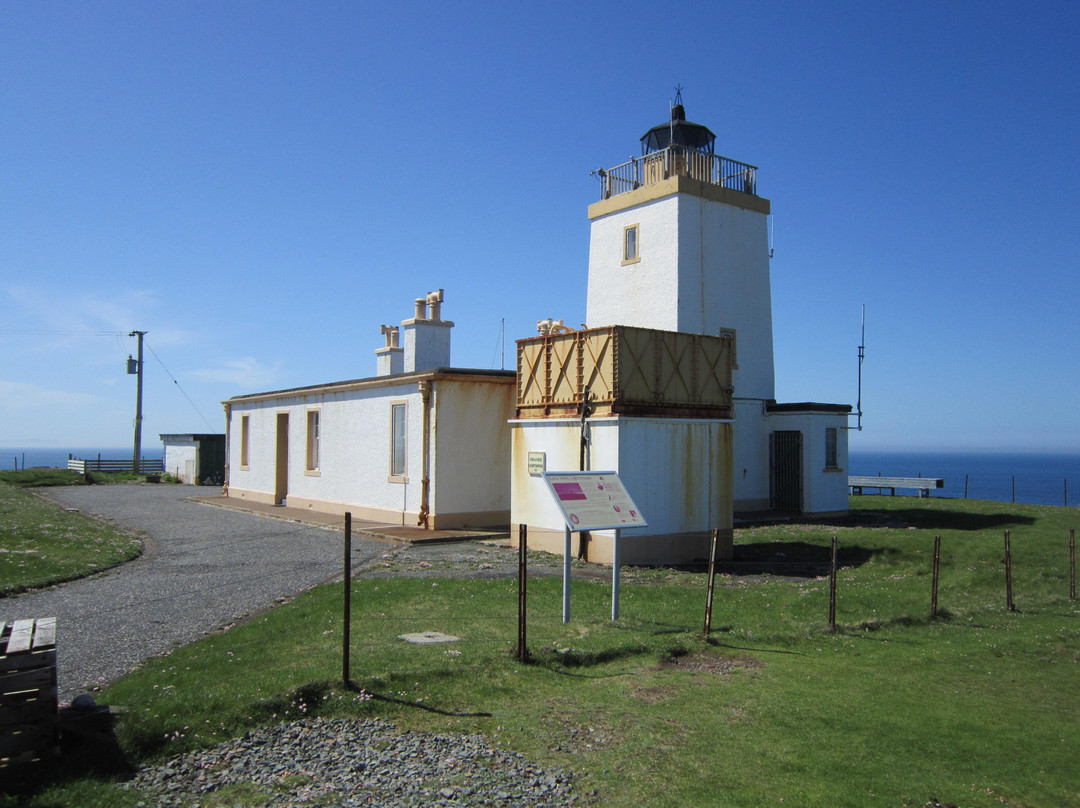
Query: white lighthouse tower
x=680, y=243
x=671, y=381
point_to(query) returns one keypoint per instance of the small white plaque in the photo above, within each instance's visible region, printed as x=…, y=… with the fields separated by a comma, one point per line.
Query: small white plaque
x=537, y=462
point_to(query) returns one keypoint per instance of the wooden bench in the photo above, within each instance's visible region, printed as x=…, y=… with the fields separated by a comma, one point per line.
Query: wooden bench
x=28, y=704
x=922, y=484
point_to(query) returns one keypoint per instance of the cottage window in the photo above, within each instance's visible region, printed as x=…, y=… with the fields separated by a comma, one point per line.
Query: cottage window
x=831, y=460
x=631, y=254
x=397, y=441
x=245, y=441
x=313, y=440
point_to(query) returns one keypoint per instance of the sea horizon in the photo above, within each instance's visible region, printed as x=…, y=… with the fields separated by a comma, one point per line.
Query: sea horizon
x=1028, y=477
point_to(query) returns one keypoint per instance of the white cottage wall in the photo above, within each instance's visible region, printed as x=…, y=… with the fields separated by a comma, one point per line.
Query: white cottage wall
x=256, y=479
x=471, y=450
x=354, y=452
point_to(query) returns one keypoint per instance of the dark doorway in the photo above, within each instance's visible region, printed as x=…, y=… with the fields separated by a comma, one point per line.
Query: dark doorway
x=785, y=471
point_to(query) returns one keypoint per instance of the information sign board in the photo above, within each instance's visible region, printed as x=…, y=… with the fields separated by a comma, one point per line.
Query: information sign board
x=593, y=500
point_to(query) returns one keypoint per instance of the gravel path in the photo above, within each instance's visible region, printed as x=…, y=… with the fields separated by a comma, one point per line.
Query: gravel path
x=317, y=762
x=202, y=567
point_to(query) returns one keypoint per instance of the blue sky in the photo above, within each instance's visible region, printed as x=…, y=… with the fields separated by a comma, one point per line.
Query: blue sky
x=260, y=185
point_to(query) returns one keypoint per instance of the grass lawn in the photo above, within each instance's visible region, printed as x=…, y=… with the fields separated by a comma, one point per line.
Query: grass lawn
x=980, y=707
x=42, y=544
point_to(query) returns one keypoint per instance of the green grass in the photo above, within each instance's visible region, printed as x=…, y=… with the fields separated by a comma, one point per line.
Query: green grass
x=42, y=478
x=979, y=707
x=42, y=544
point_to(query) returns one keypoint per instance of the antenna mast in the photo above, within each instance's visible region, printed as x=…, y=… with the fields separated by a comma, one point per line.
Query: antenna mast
x=862, y=355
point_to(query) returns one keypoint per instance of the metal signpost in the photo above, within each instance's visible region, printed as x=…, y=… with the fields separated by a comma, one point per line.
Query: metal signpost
x=593, y=500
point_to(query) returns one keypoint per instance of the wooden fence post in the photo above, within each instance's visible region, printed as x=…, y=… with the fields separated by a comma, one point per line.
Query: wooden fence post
x=523, y=549
x=1072, y=563
x=1008, y=574
x=937, y=564
x=832, y=588
x=347, y=631
x=712, y=582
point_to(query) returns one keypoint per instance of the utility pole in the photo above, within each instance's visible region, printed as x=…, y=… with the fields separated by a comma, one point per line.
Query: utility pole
x=138, y=402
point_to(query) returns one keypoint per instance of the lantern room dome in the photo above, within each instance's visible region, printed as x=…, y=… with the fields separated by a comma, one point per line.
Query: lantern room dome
x=678, y=132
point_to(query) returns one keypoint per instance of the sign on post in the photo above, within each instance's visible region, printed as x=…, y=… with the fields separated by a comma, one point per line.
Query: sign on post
x=593, y=500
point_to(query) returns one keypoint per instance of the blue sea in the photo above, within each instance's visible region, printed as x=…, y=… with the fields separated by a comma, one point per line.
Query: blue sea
x=1032, y=479
x=58, y=458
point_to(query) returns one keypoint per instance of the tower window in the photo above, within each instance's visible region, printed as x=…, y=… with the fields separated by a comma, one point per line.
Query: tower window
x=631, y=253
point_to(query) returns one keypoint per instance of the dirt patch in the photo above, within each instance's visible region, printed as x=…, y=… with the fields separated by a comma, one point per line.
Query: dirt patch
x=654, y=694
x=709, y=662
x=572, y=732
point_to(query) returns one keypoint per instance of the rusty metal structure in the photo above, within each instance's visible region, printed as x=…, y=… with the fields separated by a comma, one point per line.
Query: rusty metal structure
x=626, y=371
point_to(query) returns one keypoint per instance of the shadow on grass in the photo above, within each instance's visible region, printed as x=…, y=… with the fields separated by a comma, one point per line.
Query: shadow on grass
x=427, y=708
x=958, y=514
x=934, y=519
x=88, y=750
x=796, y=559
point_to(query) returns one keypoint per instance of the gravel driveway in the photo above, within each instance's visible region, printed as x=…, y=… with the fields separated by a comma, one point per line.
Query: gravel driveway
x=202, y=567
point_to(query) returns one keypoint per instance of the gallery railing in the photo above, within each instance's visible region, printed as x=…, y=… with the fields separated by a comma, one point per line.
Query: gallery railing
x=677, y=161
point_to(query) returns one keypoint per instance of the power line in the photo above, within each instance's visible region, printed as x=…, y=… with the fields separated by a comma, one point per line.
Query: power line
x=41, y=332
x=181, y=389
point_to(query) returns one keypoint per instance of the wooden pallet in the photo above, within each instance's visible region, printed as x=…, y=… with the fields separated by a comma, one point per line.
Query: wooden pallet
x=28, y=698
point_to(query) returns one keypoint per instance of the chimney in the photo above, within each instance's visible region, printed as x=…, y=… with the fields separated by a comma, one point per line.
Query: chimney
x=390, y=358
x=426, y=341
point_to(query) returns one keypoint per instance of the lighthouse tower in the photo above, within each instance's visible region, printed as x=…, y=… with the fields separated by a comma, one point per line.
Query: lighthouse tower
x=680, y=243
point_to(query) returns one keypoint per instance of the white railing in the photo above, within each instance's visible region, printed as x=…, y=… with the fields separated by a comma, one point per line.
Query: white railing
x=145, y=466
x=677, y=161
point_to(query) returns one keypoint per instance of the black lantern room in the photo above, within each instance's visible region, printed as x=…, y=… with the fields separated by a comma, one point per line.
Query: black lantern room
x=679, y=132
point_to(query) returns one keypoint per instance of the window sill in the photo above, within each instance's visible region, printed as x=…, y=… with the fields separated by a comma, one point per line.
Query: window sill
x=399, y=480
x=312, y=473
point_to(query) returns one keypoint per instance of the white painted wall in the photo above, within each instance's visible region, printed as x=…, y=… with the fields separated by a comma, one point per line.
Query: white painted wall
x=676, y=470
x=470, y=451
x=645, y=293
x=704, y=266
x=751, y=457
x=824, y=490
x=182, y=461
x=354, y=451
x=724, y=283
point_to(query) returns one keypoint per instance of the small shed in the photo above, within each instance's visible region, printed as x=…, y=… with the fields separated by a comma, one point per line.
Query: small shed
x=195, y=459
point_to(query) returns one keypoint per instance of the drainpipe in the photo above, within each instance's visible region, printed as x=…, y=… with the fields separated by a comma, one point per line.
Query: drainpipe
x=425, y=452
x=584, y=537
x=228, y=445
